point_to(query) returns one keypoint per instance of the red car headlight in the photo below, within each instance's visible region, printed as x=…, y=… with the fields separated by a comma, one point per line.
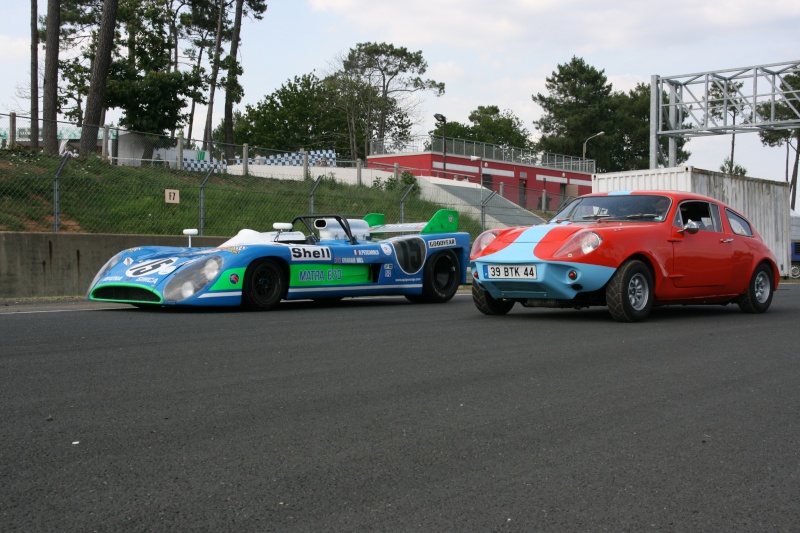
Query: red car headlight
x=484, y=239
x=582, y=243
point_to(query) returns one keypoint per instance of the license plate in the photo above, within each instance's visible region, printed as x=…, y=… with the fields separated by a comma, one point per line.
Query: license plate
x=510, y=271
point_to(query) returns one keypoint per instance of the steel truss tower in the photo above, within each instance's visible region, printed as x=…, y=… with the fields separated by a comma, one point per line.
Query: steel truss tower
x=751, y=99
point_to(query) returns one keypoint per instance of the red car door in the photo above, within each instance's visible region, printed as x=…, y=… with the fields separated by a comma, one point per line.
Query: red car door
x=704, y=258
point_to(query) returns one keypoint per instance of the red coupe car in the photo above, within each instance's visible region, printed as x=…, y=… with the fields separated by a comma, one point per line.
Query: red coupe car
x=629, y=251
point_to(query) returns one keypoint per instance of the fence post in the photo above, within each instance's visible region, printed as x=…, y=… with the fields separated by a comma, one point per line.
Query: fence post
x=358, y=172
x=311, y=197
x=104, y=149
x=245, y=159
x=396, y=173
x=403, y=203
x=484, y=203
x=203, y=199
x=56, y=192
x=180, y=152
x=305, y=166
x=12, y=130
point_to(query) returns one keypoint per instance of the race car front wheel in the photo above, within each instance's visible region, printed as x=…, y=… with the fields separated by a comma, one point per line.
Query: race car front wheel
x=629, y=293
x=265, y=285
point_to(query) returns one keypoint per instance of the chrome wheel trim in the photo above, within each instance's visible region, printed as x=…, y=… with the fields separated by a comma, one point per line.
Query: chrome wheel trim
x=638, y=292
x=761, y=287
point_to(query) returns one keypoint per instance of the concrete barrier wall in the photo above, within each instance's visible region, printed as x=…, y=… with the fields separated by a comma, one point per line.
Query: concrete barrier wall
x=63, y=264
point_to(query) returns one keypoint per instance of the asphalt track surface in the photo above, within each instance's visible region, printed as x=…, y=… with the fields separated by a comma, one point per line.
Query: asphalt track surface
x=381, y=415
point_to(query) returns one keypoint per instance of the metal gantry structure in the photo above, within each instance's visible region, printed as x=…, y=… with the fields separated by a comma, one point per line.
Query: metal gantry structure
x=749, y=99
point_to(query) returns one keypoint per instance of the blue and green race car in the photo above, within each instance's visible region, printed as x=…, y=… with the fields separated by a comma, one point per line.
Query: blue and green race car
x=318, y=257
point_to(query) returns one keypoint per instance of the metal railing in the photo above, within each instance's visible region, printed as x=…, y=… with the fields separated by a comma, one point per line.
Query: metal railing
x=467, y=148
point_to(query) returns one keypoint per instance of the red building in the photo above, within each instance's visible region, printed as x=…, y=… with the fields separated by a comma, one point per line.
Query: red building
x=519, y=176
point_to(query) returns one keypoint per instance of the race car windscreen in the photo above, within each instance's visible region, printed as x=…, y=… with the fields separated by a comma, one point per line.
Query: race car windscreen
x=628, y=207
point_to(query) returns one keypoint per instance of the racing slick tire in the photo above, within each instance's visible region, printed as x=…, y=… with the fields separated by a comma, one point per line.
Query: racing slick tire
x=265, y=285
x=488, y=305
x=758, y=296
x=440, y=278
x=629, y=293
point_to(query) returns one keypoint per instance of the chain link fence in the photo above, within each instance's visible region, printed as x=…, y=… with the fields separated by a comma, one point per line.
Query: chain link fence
x=146, y=184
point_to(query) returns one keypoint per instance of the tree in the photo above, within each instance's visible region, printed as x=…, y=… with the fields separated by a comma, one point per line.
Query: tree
x=577, y=107
x=581, y=103
x=34, y=76
x=729, y=167
x=785, y=109
x=629, y=146
x=141, y=81
x=382, y=77
x=299, y=114
x=215, y=63
x=95, y=101
x=50, y=85
x=233, y=90
x=723, y=101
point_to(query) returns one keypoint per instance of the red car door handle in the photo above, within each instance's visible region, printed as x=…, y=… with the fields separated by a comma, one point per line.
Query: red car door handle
x=726, y=240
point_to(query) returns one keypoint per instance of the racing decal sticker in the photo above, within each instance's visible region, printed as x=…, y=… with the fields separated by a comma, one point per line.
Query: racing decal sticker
x=311, y=275
x=229, y=280
x=441, y=243
x=157, y=266
x=366, y=252
x=387, y=249
x=310, y=253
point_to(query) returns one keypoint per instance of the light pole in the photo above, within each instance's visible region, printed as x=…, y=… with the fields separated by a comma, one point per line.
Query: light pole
x=442, y=120
x=587, y=140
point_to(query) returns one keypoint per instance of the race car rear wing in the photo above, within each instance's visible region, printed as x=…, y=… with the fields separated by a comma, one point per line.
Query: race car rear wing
x=443, y=221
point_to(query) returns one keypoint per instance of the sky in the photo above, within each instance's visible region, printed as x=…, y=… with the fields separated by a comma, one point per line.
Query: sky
x=498, y=53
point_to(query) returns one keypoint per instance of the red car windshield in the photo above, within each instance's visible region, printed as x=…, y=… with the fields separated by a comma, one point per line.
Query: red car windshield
x=617, y=207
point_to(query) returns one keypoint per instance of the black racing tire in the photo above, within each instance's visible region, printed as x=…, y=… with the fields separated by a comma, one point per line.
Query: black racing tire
x=629, y=293
x=488, y=305
x=441, y=277
x=758, y=296
x=265, y=285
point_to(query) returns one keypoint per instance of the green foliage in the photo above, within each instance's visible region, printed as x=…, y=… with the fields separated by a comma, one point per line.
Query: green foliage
x=490, y=126
x=374, y=83
x=629, y=146
x=729, y=167
x=581, y=102
x=299, y=114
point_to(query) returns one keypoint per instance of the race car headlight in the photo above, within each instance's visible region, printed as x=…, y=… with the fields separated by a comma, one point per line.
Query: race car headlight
x=191, y=278
x=580, y=244
x=212, y=267
x=483, y=240
x=111, y=263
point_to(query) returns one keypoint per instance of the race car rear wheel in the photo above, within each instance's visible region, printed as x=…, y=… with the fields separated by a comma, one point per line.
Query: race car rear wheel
x=759, y=291
x=265, y=285
x=629, y=293
x=488, y=305
x=440, y=277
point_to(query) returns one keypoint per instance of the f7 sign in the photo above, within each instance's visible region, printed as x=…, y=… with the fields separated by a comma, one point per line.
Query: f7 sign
x=172, y=196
